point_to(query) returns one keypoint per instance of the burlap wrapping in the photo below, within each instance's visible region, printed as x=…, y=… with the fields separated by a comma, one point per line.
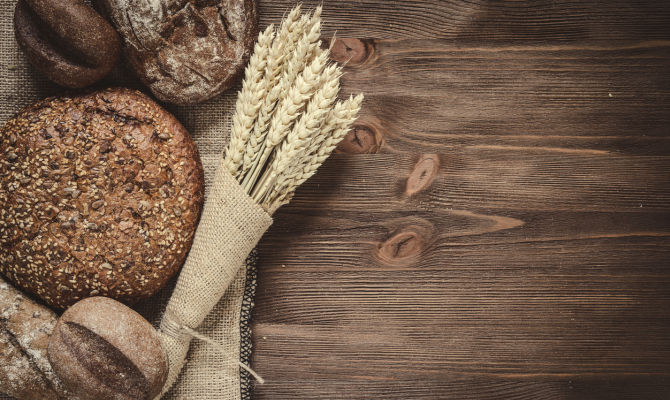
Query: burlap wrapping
x=208, y=374
x=230, y=226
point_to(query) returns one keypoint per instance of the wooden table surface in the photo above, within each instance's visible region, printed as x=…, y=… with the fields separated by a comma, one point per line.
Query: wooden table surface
x=506, y=233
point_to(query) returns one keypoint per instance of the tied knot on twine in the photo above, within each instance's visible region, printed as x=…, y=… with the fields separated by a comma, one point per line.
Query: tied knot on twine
x=174, y=328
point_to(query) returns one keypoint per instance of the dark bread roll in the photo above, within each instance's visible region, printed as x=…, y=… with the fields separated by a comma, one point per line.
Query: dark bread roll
x=185, y=51
x=101, y=349
x=101, y=195
x=67, y=40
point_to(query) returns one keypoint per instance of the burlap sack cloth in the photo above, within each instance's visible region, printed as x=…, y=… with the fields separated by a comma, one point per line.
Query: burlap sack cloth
x=230, y=226
x=209, y=374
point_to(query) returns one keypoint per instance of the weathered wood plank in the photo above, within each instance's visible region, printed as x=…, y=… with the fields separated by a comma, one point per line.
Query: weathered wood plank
x=537, y=20
x=523, y=255
x=481, y=178
x=454, y=386
x=429, y=95
x=522, y=276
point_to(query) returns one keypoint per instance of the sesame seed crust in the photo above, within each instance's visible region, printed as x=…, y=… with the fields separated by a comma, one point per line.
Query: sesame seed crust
x=100, y=195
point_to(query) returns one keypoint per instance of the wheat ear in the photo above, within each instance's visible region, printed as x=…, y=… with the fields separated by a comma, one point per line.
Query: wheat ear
x=286, y=123
x=249, y=101
x=341, y=125
x=335, y=115
x=295, y=150
x=296, y=57
x=290, y=108
x=305, y=48
x=290, y=30
x=325, y=131
x=337, y=124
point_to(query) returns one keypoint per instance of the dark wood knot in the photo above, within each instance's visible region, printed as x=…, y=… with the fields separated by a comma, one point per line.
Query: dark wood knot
x=362, y=139
x=351, y=51
x=405, y=244
x=423, y=174
x=401, y=248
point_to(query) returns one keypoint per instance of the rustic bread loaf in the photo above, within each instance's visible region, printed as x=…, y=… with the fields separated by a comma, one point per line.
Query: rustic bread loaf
x=101, y=195
x=101, y=349
x=186, y=51
x=66, y=40
x=25, y=326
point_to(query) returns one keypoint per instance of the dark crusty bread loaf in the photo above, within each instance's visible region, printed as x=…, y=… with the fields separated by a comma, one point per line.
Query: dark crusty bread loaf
x=186, y=51
x=101, y=195
x=25, y=327
x=66, y=40
x=101, y=349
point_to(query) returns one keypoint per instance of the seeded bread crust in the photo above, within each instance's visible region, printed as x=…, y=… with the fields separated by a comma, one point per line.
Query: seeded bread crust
x=100, y=194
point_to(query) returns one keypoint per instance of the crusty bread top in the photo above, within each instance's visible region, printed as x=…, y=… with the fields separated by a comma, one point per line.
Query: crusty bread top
x=100, y=195
x=185, y=51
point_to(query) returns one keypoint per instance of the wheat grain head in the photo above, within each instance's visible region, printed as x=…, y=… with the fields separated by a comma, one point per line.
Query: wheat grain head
x=249, y=101
x=286, y=123
x=338, y=123
x=295, y=151
x=289, y=109
x=290, y=31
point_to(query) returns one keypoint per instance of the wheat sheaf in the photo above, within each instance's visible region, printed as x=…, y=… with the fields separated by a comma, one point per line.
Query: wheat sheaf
x=288, y=118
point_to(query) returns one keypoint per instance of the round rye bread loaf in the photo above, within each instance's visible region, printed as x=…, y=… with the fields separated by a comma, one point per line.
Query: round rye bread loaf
x=185, y=51
x=100, y=196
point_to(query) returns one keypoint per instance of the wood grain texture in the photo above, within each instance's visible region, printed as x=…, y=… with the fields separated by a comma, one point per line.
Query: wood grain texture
x=427, y=95
x=517, y=274
x=533, y=20
x=502, y=229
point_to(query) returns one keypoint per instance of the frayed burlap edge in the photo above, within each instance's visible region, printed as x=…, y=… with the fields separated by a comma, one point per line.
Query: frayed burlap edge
x=246, y=381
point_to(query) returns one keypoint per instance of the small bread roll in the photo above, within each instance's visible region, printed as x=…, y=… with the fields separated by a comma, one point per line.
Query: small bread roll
x=101, y=349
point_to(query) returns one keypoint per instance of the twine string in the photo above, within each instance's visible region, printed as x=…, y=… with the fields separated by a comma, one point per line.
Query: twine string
x=197, y=335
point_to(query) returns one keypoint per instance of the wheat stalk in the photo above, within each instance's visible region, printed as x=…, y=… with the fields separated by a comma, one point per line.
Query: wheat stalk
x=286, y=122
x=325, y=131
x=295, y=150
x=295, y=34
x=290, y=108
x=341, y=123
x=336, y=114
x=306, y=85
x=249, y=101
x=291, y=28
x=335, y=128
x=307, y=45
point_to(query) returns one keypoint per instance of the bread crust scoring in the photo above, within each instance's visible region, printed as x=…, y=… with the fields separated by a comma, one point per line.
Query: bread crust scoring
x=185, y=51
